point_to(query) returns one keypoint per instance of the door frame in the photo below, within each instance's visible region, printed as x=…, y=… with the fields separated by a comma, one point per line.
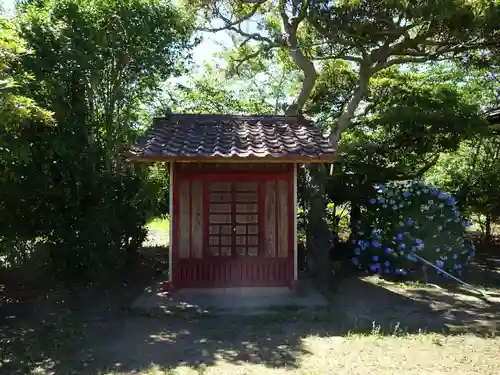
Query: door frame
x=206, y=225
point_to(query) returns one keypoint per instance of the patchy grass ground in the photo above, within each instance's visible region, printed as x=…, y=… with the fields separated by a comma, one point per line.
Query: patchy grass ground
x=159, y=224
x=158, y=233
x=373, y=326
x=429, y=354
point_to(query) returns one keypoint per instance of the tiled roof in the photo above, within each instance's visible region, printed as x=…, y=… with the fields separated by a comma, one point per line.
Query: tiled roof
x=194, y=136
x=493, y=116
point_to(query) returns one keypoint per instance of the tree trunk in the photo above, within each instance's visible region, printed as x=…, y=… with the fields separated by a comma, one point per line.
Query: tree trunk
x=289, y=28
x=354, y=217
x=359, y=93
x=318, y=232
x=487, y=234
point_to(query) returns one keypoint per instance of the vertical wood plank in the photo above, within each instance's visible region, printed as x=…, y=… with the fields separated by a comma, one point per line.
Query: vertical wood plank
x=172, y=219
x=283, y=219
x=270, y=220
x=184, y=191
x=294, y=229
x=196, y=219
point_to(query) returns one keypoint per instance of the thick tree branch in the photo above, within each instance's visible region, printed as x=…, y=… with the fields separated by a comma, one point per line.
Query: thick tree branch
x=356, y=59
x=365, y=72
x=228, y=23
x=428, y=165
x=301, y=60
x=241, y=61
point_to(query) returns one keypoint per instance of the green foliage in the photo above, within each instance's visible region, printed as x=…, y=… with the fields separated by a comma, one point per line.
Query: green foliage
x=403, y=28
x=19, y=113
x=391, y=142
x=94, y=65
x=158, y=181
x=473, y=173
x=253, y=92
x=409, y=219
x=97, y=61
x=332, y=91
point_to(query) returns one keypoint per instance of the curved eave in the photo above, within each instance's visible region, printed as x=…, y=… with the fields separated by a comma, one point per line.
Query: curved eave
x=323, y=158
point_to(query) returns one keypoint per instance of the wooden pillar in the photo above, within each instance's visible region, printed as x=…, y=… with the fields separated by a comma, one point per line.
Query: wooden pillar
x=171, y=225
x=295, y=247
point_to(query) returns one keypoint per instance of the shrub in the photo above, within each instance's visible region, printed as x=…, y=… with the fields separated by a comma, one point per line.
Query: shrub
x=407, y=219
x=90, y=217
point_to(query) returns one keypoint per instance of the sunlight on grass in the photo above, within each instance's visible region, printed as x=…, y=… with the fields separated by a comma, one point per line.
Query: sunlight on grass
x=153, y=370
x=159, y=224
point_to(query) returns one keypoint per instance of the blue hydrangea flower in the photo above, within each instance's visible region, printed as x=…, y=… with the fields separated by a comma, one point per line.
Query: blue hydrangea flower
x=438, y=249
x=376, y=244
x=375, y=258
x=402, y=246
x=372, y=201
x=399, y=236
x=355, y=261
x=409, y=222
x=412, y=257
x=387, y=263
x=406, y=194
x=440, y=228
x=388, y=250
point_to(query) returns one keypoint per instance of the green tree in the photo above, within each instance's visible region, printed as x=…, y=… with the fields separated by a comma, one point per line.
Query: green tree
x=472, y=173
x=261, y=89
x=95, y=65
x=389, y=142
x=371, y=35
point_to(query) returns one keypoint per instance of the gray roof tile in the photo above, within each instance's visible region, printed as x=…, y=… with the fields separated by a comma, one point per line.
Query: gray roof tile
x=199, y=135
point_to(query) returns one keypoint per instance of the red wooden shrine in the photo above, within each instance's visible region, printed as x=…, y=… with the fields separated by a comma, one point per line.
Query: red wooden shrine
x=233, y=227
x=233, y=195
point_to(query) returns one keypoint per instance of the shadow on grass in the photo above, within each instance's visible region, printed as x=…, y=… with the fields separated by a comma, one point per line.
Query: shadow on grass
x=97, y=334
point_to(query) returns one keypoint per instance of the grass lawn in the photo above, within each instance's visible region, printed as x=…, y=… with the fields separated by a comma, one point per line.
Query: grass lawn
x=161, y=224
x=365, y=354
x=158, y=233
x=372, y=326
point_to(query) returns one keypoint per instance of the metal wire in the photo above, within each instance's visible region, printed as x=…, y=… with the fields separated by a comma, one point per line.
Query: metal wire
x=451, y=276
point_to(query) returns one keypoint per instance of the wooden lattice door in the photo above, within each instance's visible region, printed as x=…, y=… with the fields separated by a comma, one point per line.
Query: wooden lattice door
x=233, y=219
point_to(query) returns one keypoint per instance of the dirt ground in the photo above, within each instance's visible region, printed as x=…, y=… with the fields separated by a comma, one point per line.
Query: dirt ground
x=372, y=326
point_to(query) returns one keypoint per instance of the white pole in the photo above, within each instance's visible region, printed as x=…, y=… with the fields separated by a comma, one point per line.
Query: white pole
x=449, y=275
x=171, y=211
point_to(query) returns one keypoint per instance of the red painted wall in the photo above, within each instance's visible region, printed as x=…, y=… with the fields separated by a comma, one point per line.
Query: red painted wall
x=231, y=271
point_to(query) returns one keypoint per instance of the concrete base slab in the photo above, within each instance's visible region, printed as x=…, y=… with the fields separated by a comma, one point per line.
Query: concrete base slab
x=251, y=301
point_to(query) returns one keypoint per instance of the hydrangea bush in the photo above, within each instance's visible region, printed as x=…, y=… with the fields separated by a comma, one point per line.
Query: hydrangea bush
x=406, y=219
